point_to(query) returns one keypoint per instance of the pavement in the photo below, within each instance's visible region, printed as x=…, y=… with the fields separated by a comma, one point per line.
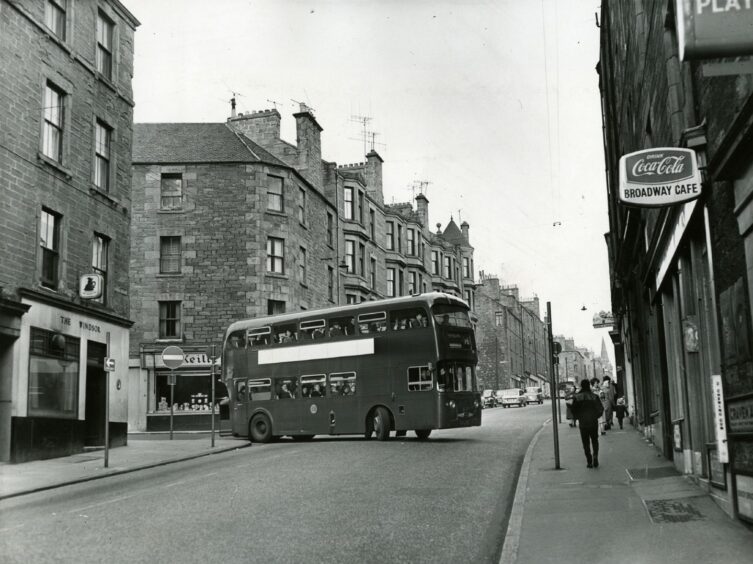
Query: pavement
x=635, y=508
x=142, y=451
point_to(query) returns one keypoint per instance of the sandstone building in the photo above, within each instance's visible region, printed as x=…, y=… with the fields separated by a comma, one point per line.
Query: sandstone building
x=66, y=109
x=230, y=221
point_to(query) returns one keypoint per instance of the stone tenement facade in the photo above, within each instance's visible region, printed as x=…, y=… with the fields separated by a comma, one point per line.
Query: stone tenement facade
x=511, y=337
x=682, y=275
x=230, y=222
x=66, y=109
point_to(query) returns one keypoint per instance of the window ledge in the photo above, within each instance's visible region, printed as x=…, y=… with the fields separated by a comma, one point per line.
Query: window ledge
x=107, y=81
x=304, y=285
x=112, y=200
x=276, y=275
x=169, y=340
x=169, y=275
x=277, y=213
x=172, y=211
x=54, y=164
x=60, y=42
x=304, y=225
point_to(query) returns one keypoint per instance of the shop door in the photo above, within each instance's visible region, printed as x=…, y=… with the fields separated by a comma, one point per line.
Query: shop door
x=95, y=394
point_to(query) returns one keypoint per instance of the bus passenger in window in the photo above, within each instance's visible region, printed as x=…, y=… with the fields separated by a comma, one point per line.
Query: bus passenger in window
x=285, y=392
x=363, y=328
x=317, y=392
x=305, y=392
x=335, y=330
x=445, y=320
x=420, y=320
x=317, y=333
x=346, y=391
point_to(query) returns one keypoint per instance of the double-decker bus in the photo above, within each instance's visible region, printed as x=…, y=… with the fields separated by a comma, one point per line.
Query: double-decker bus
x=398, y=364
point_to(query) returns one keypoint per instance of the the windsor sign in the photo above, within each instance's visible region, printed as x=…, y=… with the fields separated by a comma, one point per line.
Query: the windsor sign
x=659, y=177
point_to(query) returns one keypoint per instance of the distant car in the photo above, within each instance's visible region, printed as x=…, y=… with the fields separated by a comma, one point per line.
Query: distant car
x=512, y=396
x=488, y=399
x=534, y=394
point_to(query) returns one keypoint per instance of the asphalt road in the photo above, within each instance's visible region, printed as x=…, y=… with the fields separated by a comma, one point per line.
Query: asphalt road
x=331, y=500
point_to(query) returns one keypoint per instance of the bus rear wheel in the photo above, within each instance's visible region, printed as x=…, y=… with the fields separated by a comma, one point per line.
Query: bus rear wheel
x=423, y=434
x=380, y=422
x=260, y=429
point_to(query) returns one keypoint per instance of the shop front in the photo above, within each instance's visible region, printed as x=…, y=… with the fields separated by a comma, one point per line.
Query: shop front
x=190, y=396
x=59, y=384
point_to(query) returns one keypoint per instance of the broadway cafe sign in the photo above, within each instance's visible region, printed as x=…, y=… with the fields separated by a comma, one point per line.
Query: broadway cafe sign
x=659, y=177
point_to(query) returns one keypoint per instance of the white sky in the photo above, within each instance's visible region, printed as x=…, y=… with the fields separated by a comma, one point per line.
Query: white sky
x=495, y=102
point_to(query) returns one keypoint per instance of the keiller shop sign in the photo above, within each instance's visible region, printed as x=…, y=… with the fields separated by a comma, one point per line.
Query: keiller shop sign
x=659, y=177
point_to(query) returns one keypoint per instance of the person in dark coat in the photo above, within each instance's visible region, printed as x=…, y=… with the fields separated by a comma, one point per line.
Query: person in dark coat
x=587, y=409
x=621, y=410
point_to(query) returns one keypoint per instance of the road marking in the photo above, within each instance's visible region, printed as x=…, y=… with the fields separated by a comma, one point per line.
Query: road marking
x=113, y=500
x=13, y=527
x=211, y=474
x=176, y=483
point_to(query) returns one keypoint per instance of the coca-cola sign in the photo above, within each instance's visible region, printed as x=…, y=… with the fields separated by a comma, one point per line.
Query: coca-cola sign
x=659, y=177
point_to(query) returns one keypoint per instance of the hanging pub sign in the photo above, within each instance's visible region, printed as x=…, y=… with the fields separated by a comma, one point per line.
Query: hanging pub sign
x=707, y=29
x=659, y=177
x=90, y=286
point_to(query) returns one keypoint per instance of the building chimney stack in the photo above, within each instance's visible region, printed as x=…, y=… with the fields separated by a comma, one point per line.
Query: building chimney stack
x=422, y=207
x=309, y=141
x=464, y=228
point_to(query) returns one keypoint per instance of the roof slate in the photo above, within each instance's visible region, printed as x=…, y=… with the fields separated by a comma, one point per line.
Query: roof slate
x=453, y=234
x=194, y=143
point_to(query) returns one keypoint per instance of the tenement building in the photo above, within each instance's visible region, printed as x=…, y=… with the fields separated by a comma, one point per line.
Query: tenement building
x=230, y=221
x=512, y=339
x=66, y=109
x=682, y=270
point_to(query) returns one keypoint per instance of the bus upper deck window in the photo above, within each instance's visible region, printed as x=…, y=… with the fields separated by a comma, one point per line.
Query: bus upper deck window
x=341, y=326
x=311, y=330
x=237, y=340
x=258, y=337
x=375, y=322
x=285, y=334
x=413, y=318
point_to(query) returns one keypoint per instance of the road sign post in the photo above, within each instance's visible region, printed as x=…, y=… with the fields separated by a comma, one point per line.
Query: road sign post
x=173, y=358
x=211, y=372
x=109, y=367
x=553, y=384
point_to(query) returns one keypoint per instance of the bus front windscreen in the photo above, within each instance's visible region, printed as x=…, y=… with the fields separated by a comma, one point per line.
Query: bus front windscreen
x=456, y=377
x=451, y=316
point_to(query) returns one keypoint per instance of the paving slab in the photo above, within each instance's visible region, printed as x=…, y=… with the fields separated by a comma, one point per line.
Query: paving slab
x=576, y=514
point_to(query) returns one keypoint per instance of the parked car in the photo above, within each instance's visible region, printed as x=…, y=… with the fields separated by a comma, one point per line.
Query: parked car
x=488, y=399
x=534, y=394
x=512, y=396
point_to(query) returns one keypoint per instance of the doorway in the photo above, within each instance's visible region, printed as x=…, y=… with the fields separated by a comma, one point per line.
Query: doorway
x=95, y=394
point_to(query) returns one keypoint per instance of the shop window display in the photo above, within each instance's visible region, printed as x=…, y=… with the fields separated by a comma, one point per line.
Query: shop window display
x=192, y=394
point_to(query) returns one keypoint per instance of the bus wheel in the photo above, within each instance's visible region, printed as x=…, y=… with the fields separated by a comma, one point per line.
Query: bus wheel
x=302, y=438
x=423, y=434
x=260, y=429
x=380, y=421
x=401, y=433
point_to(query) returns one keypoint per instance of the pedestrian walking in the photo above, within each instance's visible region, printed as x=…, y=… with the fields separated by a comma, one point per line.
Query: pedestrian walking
x=569, y=407
x=587, y=409
x=609, y=394
x=621, y=410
